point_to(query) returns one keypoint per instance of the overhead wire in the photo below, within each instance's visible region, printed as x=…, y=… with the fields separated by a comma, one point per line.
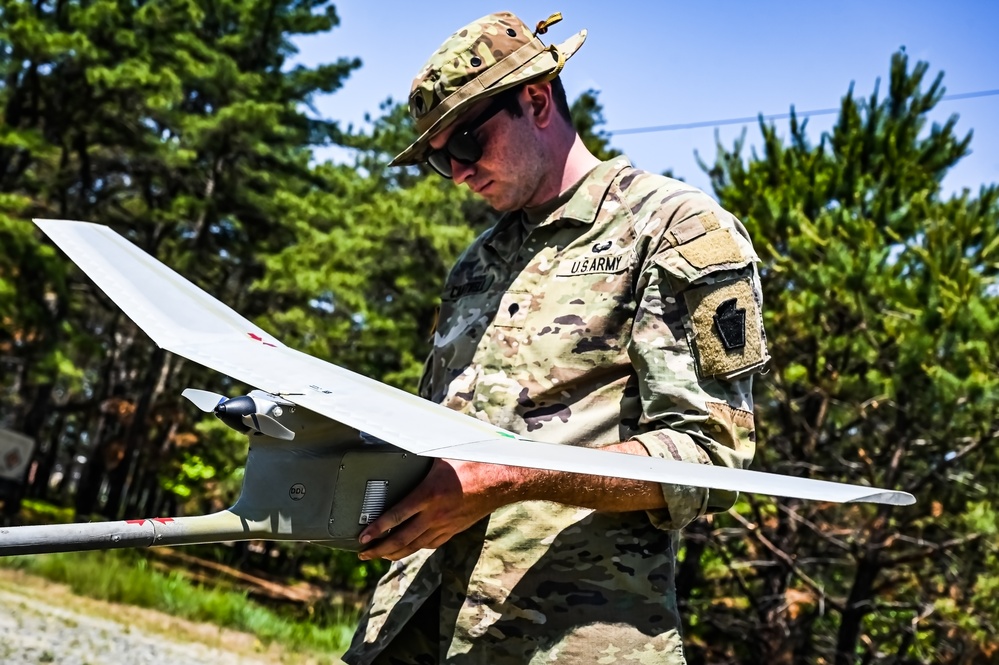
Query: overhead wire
x=772, y=116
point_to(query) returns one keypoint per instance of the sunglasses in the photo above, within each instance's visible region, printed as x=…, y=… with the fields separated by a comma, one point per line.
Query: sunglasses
x=462, y=146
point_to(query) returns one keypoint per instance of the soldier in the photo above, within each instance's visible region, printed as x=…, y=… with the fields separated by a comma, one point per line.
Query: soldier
x=609, y=307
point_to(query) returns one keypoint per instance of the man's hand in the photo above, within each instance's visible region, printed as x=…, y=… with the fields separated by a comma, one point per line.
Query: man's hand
x=454, y=496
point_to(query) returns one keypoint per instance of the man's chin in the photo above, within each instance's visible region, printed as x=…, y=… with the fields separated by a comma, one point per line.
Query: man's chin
x=493, y=195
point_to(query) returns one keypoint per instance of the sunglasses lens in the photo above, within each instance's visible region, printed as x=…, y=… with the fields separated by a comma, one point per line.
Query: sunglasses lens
x=461, y=147
x=464, y=148
x=440, y=161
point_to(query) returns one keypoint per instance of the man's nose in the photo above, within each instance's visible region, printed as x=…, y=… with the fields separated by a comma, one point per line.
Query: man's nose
x=460, y=172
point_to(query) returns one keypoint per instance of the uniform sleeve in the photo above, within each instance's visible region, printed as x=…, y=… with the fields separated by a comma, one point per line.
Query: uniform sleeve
x=697, y=341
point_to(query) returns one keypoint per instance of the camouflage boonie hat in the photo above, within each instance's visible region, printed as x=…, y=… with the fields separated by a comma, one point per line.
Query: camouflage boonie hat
x=482, y=59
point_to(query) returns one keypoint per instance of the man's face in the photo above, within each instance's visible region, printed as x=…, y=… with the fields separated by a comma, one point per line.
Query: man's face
x=511, y=170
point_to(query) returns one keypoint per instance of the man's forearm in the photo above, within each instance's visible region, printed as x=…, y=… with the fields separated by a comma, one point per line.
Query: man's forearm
x=601, y=493
x=457, y=494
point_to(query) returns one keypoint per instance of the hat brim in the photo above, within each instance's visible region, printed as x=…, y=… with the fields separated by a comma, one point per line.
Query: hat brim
x=537, y=67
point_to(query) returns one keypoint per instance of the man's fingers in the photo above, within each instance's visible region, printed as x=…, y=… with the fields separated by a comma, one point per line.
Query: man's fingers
x=439, y=540
x=389, y=520
x=402, y=542
x=425, y=518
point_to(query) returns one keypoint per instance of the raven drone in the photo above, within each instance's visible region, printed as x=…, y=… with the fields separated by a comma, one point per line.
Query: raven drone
x=330, y=449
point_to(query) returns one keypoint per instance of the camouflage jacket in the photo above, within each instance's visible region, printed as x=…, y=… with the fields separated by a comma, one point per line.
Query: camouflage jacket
x=630, y=312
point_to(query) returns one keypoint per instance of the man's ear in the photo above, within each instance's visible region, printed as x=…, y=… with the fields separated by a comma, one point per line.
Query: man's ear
x=540, y=104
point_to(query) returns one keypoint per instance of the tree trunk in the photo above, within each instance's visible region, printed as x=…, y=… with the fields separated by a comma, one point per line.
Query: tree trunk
x=135, y=437
x=857, y=607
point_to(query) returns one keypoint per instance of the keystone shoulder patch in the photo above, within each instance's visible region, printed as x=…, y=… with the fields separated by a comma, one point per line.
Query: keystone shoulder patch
x=730, y=324
x=725, y=328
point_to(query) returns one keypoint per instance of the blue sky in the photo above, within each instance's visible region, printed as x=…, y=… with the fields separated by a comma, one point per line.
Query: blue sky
x=662, y=63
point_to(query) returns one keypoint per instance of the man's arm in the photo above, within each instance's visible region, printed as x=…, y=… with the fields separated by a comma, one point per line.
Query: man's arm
x=455, y=495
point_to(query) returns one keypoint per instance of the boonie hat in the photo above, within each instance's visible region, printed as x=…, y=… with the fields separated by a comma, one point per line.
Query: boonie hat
x=482, y=59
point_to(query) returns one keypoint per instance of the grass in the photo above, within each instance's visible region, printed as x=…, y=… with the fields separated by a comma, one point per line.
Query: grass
x=125, y=576
x=43, y=512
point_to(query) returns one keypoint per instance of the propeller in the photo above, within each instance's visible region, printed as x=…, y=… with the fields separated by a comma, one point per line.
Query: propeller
x=240, y=413
x=269, y=426
x=204, y=400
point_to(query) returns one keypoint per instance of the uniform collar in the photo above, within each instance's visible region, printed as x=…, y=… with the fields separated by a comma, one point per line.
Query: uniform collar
x=579, y=210
x=582, y=208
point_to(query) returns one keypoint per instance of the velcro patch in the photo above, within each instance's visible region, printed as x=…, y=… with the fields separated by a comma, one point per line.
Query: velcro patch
x=709, y=220
x=726, y=330
x=685, y=231
x=711, y=249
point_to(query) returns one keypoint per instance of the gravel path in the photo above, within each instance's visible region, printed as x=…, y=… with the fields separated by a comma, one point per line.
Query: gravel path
x=45, y=623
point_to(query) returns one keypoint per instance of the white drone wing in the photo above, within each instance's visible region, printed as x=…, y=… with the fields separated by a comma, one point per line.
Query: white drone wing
x=185, y=320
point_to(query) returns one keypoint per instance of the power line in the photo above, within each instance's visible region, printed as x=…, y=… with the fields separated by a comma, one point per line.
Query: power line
x=774, y=116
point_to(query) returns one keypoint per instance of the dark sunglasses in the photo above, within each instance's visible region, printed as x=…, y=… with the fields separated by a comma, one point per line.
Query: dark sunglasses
x=462, y=146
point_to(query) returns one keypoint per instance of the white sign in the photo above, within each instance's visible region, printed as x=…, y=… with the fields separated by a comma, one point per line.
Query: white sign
x=15, y=455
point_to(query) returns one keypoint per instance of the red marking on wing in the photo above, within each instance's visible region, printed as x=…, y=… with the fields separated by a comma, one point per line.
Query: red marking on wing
x=161, y=520
x=258, y=338
x=136, y=522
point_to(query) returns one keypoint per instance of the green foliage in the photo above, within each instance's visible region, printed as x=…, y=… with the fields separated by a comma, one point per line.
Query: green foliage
x=193, y=473
x=42, y=512
x=182, y=125
x=882, y=312
x=207, y=475
x=359, y=285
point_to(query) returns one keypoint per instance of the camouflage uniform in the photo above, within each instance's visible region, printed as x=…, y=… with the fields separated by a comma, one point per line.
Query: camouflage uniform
x=632, y=311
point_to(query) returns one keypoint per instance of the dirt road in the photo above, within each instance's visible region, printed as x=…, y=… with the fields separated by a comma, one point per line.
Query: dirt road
x=41, y=622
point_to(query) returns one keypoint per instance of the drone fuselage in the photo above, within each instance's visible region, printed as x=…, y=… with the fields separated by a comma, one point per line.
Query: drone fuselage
x=324, y=486
x=327, y=483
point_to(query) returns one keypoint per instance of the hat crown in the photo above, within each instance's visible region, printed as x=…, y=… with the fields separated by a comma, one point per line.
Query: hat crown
x=465, y=55
x=486, y=57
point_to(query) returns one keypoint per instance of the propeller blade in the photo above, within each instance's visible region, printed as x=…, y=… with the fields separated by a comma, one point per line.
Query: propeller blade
x=269, y=426
x=203, y=399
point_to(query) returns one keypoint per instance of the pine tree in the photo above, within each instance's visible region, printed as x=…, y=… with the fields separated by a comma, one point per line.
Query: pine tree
x=882, y=310
x=179, y=124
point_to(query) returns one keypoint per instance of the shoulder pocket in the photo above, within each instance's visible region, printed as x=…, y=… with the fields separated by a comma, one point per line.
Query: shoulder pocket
x=721, y=249
x=713, y=274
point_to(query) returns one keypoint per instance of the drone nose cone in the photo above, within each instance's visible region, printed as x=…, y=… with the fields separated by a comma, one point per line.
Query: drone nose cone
x=237, y=406
x=231, y=411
